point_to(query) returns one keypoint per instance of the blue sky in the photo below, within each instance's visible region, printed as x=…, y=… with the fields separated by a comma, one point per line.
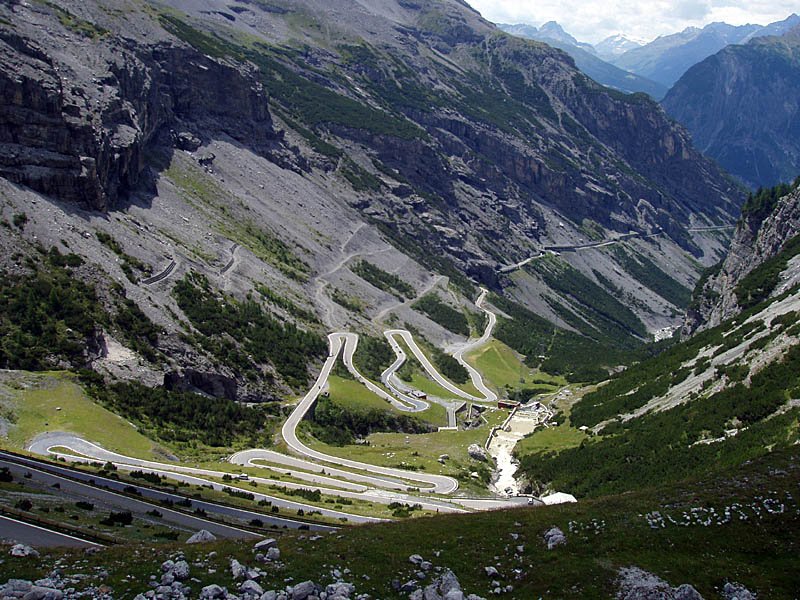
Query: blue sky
x=594, y=20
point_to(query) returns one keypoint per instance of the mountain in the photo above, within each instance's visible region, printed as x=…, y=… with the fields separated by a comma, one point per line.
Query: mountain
x=741, y=107
x=724, y=395
x=759, y=264
x=223, y=224
x=550, y=32
x=667, y=58
x=615, y=46
x=587, y=61
x=200, y=156
x=553, y=31
x=194, y=200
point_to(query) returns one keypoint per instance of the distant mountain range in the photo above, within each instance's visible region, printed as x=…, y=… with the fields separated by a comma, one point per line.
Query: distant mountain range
x=615, y=46
x=586, y=58
x=665, y=59
x=653, y=68
x=742, y=107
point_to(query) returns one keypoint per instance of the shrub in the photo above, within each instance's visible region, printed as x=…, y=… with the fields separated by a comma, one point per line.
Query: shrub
x=446, y=316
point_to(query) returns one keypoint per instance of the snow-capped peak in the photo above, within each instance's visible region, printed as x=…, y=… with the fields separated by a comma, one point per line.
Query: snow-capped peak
x=617, y=45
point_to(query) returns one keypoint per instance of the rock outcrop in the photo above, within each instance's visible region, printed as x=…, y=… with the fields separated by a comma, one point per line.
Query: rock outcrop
x=637, y=584
x=476, y=452
x=554, y=537
x=77, y=123
x=201, y=537
x=758, y=238
x=212, y=384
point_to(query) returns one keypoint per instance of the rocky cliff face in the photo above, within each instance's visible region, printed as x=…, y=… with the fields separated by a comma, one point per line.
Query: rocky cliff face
x=502, y=118
x=741, y=107
x=414, y=135
x=77, y=124
x=758, y=238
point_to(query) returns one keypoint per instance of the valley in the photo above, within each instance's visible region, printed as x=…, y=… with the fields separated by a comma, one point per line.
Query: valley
x=344, y=300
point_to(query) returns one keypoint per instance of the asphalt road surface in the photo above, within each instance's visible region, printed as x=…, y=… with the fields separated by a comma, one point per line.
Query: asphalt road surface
x=49, y=475
x=19, y=532
x=360, y=481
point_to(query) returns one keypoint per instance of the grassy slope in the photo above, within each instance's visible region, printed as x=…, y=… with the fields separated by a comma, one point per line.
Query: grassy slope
x=558, y=437
x=352, y=394
x=35, y=398
x=502, y=367
x=552, y=439
x=421, y=451
x=421, y=378
x=586, y=567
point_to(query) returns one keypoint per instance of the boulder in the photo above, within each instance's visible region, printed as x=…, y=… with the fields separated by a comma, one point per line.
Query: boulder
x=21, y=550
x=16, y=587
x=687, y=592
x=265, y=545
x=449, y=585
x=554, y=537
x=43, y=593
x=736, y=591
x=251, y=588
x=186, y=141
x=201, y=537
x=303, y=590
x=181, y=570
x=206, y=159
x=637, y=584
x=273, y=554
x=444, y=587
x=340, y=589
x=238, y=570
x=212, y=592
x=476, y=452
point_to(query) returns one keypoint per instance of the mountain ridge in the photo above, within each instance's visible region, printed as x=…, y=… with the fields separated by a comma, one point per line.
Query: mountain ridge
x=588, y=61
x=740, y=107
x=770, y=223
x=667, y=58
x=470, y=154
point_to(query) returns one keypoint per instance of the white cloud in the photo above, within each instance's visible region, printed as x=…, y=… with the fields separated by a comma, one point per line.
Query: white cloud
x=593, y=20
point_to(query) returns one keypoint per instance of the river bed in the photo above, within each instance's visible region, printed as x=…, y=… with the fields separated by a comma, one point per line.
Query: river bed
x=501, y=446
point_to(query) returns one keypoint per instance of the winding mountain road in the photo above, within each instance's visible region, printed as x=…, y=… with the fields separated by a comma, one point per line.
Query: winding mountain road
x=19, y=532
x=162, y=275
x=332, y=475
x=475, y=376
x=439, y=484
x=602, y=244
x=77, y=484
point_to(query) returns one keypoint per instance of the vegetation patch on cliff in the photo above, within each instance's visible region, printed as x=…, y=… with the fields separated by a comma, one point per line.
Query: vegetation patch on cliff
x=350, y=412
x=388, y=282
x=242, y=335
x=443, y=314
x=759, y=284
